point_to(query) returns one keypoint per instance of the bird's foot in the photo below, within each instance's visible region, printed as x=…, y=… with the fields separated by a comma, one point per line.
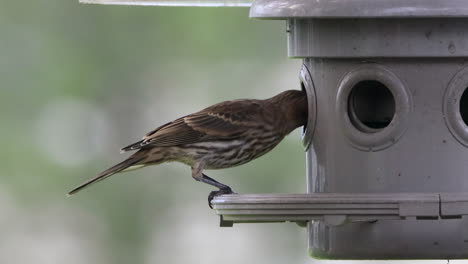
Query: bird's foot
x=213, y=194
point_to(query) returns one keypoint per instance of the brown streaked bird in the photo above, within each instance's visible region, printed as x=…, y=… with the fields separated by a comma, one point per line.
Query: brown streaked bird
x=221, y=136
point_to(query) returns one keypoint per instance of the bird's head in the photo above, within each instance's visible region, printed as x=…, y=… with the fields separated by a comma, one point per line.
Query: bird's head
x=293, y=104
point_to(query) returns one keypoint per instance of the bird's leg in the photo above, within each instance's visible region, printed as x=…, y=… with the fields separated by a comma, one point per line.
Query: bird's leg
x=223, y=189
x=198, y=175
x=214, y=182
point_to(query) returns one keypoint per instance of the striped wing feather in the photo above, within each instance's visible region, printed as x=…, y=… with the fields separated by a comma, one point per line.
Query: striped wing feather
x=223, y=120
x=172, y=134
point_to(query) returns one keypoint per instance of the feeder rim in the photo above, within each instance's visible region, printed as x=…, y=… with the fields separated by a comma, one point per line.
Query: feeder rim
x=176, y=3
x=338, y=208
x=284, y=9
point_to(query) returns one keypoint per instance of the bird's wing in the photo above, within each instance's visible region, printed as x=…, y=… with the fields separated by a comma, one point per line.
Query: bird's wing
x=173, y=134
x=223, y=120
x=215, y=124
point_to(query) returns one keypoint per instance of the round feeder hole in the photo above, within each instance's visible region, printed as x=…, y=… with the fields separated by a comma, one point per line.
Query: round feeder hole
x=456, y=106
x=464, y=106
x=304, y=128
x=371, y=106
x=308, y=86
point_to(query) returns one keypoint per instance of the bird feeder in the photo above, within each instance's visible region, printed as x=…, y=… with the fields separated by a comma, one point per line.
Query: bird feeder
x=387, y=135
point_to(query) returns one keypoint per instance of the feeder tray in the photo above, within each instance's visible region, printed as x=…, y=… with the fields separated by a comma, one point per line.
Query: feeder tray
x=338, y=208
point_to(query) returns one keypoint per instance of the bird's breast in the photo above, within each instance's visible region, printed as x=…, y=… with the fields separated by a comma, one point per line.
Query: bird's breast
x=229, y=153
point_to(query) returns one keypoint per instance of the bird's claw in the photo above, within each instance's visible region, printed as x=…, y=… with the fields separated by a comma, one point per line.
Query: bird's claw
x=221, y=191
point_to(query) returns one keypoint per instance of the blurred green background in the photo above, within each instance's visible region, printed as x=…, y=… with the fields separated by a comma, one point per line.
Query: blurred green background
x=81, y=81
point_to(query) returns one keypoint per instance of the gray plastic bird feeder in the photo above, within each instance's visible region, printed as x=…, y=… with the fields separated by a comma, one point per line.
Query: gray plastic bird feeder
x=387, y=136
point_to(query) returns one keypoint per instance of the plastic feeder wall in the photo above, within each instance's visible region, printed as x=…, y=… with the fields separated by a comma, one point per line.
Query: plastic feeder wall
x=387, y=80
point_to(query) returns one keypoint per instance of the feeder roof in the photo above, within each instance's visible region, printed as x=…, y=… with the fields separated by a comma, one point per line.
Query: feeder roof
x=281, y=9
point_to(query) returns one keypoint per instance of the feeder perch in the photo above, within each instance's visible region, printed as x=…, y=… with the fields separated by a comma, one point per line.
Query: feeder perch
x=387, y=136
x=332, y=208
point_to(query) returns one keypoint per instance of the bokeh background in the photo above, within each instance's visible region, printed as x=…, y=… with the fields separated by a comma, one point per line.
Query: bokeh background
x=81, y=81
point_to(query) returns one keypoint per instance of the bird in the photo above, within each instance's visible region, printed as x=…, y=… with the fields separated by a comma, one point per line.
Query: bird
x=224, y=135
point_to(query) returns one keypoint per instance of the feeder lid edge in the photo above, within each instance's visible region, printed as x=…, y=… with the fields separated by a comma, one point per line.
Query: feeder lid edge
x=283, y=9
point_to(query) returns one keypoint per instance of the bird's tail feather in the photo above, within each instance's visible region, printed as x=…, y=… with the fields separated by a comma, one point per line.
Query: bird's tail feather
x=133, y=146
x=126, y=164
